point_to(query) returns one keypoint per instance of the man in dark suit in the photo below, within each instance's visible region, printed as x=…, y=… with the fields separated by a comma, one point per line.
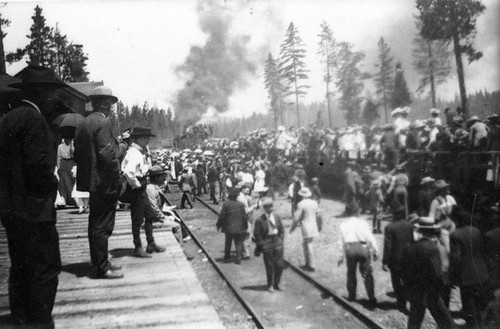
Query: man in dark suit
x=468, y=266
x=233, y=221
x=28, y=190
x=397, y=236
x=269, y=235
x=97, y=158
x=423, y=276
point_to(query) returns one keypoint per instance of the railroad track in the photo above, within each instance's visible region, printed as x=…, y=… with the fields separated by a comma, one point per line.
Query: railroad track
x=256, y=312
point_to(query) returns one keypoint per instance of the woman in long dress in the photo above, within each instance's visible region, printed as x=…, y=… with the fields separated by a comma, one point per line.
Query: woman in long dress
x=260, y=182
x=81, y=198
x=65, y=163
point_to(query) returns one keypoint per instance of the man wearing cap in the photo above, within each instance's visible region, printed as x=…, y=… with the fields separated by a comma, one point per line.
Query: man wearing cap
x=425, y=196
x=423, y=276
x=185, y=185
x=97, y=157
x=307, y=216
x=389, y=146
x=153, y=211
x=269, y=235
x=28, y=191
x=397, y=236
x=358, y=245
x=135, y=168
x=468, y=267
x=233, y=222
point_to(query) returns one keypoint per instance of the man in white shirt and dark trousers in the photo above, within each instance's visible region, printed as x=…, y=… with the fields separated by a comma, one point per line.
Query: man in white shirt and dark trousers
x=135, y=167
x=358, y=245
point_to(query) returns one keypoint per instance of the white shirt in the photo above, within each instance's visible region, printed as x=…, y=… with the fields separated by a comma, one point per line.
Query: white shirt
x=135, y=165
x=273, y=230
x=355, y=229
x=442, y=206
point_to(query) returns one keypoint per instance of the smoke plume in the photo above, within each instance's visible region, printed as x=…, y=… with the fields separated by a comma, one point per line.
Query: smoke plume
x=215, y=70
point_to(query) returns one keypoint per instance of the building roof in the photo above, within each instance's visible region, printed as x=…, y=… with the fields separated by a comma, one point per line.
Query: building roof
x=86, y=88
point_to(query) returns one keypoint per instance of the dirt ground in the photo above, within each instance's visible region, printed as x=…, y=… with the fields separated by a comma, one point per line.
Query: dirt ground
x=327, y=250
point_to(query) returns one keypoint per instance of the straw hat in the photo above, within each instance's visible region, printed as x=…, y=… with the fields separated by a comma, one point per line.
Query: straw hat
x=305, y=192
x=426, y=180
x=427, y=223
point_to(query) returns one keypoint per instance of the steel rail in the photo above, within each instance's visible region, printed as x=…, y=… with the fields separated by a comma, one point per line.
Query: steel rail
x=369, y=322
x=248, y=308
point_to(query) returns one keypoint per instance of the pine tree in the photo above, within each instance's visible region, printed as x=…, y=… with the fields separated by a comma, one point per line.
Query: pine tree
x=383, y=78
x=39, y=49
x=292, y=65
x=349, y=81
x=3, y=23
x=49, y=48
x=275, y=88
x=453, y=21
x=328, y=48
x=400, y=95
x=370, y=113
x=431, y=59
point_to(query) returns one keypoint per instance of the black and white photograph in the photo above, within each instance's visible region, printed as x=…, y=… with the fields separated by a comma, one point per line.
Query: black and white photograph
x=250, y=164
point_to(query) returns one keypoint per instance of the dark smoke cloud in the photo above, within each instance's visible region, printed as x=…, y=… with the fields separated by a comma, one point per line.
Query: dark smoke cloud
x=215, y=70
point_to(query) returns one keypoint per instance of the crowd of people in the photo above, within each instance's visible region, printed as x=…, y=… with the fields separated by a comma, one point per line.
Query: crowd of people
x=433, y=242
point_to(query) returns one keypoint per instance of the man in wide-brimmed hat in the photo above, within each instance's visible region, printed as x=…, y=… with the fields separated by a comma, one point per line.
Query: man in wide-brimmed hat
x=135, y=168
x=97, y=155
x=308, y=217
x=425, y=196
x=28, y=190
x=423, y=276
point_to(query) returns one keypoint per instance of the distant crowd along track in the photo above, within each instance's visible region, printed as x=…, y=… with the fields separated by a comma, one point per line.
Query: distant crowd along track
x=267, y=312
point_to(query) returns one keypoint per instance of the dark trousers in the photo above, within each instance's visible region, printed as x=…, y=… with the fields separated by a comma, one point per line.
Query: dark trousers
x=390, y=158
x=101, y=225
x=214, y=191
x=357, y=253
x=184, y=198
x=397, y=285
x=137, y=212
x=474, y=301
x=35, y=266
x=273, y=259
x=238, y=243
x=436, y=307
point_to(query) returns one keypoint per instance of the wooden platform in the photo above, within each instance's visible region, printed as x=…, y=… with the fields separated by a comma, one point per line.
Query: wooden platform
x=159, y=292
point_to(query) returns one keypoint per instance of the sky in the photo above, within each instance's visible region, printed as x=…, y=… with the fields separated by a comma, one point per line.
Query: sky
x=139, y=48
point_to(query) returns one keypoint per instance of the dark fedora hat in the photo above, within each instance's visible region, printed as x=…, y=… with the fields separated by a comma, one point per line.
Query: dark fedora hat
x=37, y=75
x=156, y=170
x=141, y=131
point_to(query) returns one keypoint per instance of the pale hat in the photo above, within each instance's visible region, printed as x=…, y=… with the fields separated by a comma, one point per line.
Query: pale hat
x=473, y=119
x=103, y=92
x=281, y=128
x=428, y=223
x=376, y=183
x=406, y=109
x=266, y=202
x=397, y=110
x=435, y=111
x=305, y=192
x=440, y=184
x=426, y=180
